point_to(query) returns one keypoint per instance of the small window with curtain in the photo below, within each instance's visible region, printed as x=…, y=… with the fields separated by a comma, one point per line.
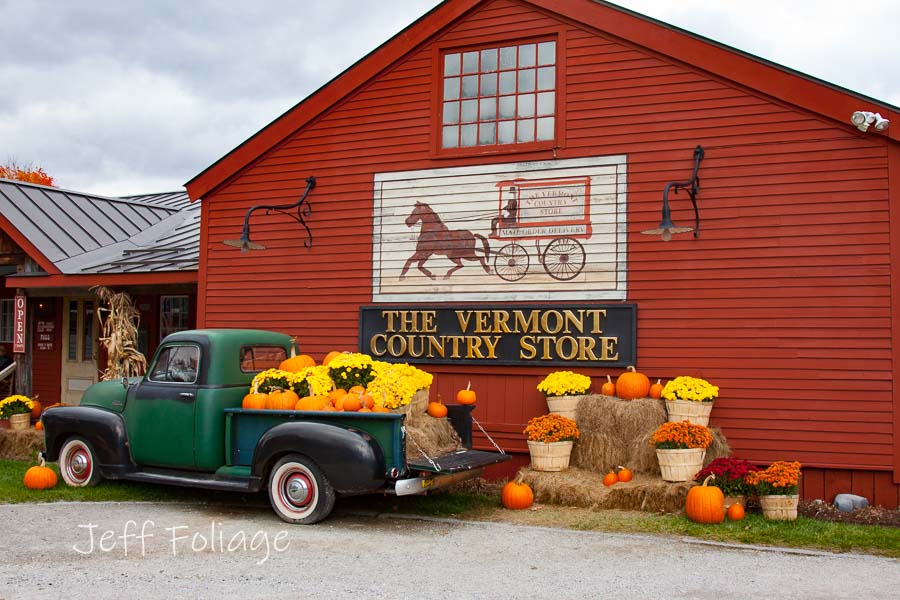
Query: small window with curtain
x=174, y=315
x=501, y=95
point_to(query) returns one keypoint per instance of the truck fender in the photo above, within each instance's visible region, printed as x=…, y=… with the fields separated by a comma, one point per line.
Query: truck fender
x=104, y=430
x=351, y=459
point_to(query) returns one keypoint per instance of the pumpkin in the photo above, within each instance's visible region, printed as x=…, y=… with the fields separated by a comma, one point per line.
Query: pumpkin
x=736, y=512
x=705, y=504
x=295, y=364
x=39, y=426
x=36, y=409
x=40, y=477
x=366, y=400
x=381, y=409
x=330, y=356
x=357, y=389
x=656, y=389
x=466, y=396
x=516, y=495
x=337, y=393
x=352, y=402
x=610, y=479
x=437, y=410
x=608, y=388
x=254, y=399
x=365, y=409
x=624, y=474
x=312, y=403
x=279, y=399
x=631, y=385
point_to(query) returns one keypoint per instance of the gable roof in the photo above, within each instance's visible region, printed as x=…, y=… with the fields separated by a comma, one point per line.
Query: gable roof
x=71, y=233
x=745, y=69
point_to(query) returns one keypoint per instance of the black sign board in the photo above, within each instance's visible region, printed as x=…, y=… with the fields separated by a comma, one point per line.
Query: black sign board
x=574, y=335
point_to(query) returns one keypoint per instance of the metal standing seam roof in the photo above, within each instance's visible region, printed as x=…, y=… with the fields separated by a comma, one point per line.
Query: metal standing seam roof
x=85, y=233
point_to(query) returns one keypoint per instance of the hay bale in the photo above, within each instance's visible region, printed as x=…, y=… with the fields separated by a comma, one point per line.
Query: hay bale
x=719, y=447
x=643, y=454
x=610, y=431
x=577, y=487
x=427, y=437
x=22, y=444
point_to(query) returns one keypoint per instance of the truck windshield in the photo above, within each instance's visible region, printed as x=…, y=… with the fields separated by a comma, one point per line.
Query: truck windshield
x=260, y=358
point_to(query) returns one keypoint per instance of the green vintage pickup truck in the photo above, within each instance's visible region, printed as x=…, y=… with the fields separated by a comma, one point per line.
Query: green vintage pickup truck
x=182, y=424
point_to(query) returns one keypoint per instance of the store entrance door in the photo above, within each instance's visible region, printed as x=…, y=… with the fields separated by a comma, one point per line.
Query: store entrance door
x=79, y=351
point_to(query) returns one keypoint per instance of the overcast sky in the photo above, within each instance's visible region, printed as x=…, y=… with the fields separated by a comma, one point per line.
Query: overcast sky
x=120, y=98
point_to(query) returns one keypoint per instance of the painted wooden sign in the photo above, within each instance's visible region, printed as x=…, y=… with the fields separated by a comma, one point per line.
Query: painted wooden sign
x=19, y=324
x=514, y=231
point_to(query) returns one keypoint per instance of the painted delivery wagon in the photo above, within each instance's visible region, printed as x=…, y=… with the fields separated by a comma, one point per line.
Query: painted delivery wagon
x=552, y=212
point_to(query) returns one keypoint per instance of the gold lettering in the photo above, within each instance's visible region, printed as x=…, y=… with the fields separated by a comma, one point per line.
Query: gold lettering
x=407, y=321
x=428, y=325
x=527, y=324
x=463, y=316
x=491, y=343
x=482, y=321
x=455, y=340
x=545, y=341
x=374, y=344
x=573, y=320
x=396, y=345
x=435, y=347
x=527, y=350
x=586, y=348
x=573, y=347
x=411, y=346
x=500, y=319
x=545, y=322
x=389, y=315
x=597, y=315
x=473, y=347
x=608, y=346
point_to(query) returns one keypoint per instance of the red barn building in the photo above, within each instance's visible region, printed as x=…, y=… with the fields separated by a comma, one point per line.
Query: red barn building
x=485, y=177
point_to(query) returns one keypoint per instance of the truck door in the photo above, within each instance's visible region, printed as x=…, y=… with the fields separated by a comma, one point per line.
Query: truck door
x=160, y=415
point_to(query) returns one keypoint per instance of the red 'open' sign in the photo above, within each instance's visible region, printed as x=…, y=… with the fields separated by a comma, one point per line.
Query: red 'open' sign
x=19, y=325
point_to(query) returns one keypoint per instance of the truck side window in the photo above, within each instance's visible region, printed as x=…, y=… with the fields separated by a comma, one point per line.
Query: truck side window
x=260, y=358
x=176, y=364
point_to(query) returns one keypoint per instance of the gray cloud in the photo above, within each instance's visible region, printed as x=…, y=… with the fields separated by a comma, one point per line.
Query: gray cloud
x=132, y=97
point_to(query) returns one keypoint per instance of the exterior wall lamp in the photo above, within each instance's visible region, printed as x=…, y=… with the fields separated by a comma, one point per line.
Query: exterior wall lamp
x=863, y=118
x=666, y=226
x=304, y=210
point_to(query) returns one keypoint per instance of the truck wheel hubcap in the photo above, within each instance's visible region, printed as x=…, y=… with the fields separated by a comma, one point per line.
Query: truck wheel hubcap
x=79, y=465
x=298, y=489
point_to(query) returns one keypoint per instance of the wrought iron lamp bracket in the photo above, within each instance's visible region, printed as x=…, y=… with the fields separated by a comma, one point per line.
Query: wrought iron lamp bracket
x=692, y=186
x=304, y=211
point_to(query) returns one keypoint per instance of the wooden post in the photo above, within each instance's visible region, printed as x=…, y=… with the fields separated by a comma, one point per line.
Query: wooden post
x=23, y=360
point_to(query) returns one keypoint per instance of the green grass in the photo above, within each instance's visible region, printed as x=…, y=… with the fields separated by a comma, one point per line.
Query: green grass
x=754, y=529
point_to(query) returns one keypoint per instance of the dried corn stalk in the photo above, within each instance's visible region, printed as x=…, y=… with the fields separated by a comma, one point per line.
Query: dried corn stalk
x=119, y=320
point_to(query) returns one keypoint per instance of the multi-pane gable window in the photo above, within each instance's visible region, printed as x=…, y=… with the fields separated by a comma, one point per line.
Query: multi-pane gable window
x=501, y=95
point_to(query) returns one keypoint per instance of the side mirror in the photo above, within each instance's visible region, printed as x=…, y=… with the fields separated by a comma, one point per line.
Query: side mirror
x=125, y=382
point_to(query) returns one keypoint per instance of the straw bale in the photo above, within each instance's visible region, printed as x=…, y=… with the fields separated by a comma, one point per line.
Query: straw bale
x=611, y=429
x=21, y=444
x=578, y=487
x=433, y=437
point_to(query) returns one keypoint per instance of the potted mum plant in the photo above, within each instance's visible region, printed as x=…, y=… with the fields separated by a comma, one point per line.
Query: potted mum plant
x=18, y=410
x=729, y=477
x=564, y=390
x=680, y=449
x=778, y=490
x=689, y=398
x=550, y=441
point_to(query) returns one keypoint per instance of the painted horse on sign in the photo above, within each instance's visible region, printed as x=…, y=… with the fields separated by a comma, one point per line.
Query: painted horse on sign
x=436, y=238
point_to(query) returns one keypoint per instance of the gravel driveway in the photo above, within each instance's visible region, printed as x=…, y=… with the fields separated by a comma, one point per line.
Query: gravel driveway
x=136, y=550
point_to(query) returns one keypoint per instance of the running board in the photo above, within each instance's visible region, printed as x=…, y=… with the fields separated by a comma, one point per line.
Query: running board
x=188, y=479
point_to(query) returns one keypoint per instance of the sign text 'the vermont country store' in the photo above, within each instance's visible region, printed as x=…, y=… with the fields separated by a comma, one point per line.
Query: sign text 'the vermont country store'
x=555, y=335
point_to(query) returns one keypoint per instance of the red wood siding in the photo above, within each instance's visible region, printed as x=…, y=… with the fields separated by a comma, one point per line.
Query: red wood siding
x=784, y=301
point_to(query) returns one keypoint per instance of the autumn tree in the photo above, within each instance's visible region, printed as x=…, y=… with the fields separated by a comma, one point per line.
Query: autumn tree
x=11, y=169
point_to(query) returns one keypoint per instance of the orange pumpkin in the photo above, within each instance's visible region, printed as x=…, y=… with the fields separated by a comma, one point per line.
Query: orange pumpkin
x=40, y=477
x=337, y=393
x=352, y=402
x=736, y=512
x=366, y=400
x=610, y=479
x=311, y=403
x=631, y=385
x=381, y=409
x=624, y=474
x=466, y=396
x=608, y=388
x=357, y=389
x=295, y=364
x=254, y=400
x=279, y=399
x=705, y=504
x=517, y=495
x=36, y=409
x=39, y=426
x=365, y=409
x=437, y=410
x=656, y=389
x=330, y=356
